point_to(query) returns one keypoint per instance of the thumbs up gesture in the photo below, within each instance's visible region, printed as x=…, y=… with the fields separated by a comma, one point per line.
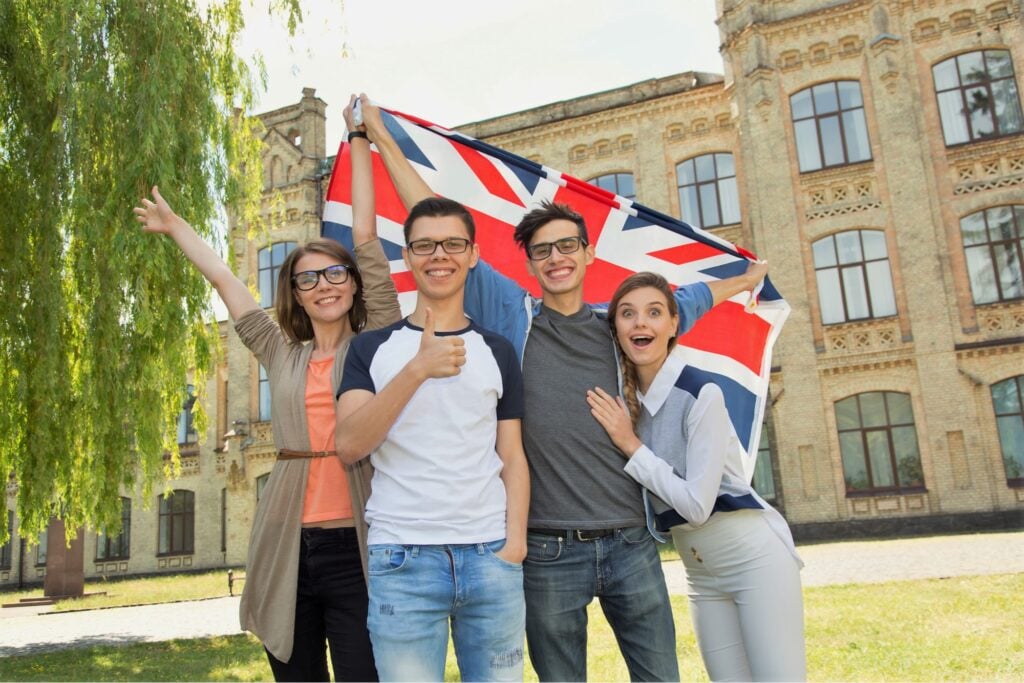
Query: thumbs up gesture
x=439, y=356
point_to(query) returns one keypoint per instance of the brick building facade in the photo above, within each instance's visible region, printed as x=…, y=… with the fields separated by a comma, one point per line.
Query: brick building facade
x=871, y=150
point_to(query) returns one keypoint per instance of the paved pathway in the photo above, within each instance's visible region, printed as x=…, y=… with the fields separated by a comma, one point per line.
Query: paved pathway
x=826, y=563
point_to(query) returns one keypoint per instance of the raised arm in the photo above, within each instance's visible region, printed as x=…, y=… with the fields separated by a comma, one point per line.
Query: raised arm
x=724, y=289
x=364, y=216
x=157, y=216
x=411, y=187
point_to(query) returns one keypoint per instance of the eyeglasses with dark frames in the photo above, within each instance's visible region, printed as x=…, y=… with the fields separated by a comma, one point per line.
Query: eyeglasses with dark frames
x=566, y=245
x=308, y=279
x=427, y=247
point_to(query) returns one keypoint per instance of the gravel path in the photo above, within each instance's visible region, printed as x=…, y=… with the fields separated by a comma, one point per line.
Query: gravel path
x=826, y=563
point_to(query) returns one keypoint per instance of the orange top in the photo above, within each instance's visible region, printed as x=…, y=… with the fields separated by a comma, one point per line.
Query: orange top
x=327, y=495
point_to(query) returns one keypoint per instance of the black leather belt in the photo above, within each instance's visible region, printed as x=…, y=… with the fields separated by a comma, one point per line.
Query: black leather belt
x=578, y=534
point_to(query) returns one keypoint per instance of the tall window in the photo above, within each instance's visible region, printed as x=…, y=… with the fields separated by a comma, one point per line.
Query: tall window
x=977, y=95
x=41, y=549
x=186, y=428
x=117, y=547
x=261, y=483
x=994, y=246
x=5, y=549
x=854, y=279
x=223, y=520
x=619, y=183
x=264, y=395
x=270, y=260
x=1007, y=400
x=828, y=120
x=177, y=523
x=707, y=190
x=878, y=442
x=764, y=480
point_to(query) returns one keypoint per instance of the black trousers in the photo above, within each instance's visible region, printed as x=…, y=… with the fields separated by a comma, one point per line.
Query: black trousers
x=330, y=606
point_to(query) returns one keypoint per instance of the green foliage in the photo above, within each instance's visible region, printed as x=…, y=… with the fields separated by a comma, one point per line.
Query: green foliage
x=100, y=323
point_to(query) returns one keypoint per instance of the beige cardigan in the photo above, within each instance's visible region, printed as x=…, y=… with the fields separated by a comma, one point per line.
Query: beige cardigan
x=272, y=569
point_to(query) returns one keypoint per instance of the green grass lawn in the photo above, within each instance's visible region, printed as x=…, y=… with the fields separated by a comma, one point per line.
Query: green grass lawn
x=960, y=629
x=146, y=590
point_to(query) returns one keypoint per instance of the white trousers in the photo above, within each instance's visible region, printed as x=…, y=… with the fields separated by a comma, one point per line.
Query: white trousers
x=745, y=598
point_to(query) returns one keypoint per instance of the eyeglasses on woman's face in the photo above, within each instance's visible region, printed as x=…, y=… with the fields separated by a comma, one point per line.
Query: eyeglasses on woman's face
x=308, y=279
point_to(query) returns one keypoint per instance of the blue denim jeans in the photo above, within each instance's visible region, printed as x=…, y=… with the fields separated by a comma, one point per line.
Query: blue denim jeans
x=417, y=590
x=563, y=575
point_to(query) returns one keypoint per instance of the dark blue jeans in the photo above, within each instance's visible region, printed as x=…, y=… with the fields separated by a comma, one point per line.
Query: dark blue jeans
x=330, y=606
x=562, y=575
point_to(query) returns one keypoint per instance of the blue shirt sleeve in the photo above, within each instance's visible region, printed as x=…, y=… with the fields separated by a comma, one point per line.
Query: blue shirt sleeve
x=356, y=374
x=497, y=303
x=694, y=301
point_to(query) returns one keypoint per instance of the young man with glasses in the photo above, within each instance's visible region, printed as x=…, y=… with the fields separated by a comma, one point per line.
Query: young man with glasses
x=437, y=401
x=587, y=530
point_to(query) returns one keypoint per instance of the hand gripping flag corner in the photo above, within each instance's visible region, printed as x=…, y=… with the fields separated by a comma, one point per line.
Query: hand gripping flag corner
x=730, y=346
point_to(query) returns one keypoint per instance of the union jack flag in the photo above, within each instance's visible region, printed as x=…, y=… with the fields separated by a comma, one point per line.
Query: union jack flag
x=730, y=346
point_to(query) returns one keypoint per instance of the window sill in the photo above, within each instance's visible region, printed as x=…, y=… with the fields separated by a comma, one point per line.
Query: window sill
x=183, y=553
x=887, y=493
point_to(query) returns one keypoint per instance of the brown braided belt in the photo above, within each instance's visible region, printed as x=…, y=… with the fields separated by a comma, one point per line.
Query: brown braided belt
x=286, y=454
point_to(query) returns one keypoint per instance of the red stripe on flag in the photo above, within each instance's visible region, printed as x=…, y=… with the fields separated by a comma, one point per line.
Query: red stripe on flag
x=488, y=174
x=594, y=210
x=687, y=253
x=388, y=204
x=404, y=281
x=730, y=331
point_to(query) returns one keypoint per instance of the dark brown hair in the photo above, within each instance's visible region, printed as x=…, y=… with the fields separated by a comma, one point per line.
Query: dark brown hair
x=290, y=315
x=439, y=207
x=547, y=211
x=632, y=283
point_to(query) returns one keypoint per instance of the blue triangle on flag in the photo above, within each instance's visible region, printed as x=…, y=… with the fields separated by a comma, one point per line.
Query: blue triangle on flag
x=634, y=222
x=731, y=269
x=409, y=148
x=343, y=234
x=528, y=178
x=739, y=400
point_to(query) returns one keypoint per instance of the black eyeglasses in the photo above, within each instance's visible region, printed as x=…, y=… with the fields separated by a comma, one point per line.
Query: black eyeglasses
x=308, y=279
x=427, y=247
x=566, y=245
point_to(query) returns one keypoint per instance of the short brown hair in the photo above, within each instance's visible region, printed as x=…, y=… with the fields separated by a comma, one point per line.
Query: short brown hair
x=290, y=315
x=439, y=207
x=547, y=211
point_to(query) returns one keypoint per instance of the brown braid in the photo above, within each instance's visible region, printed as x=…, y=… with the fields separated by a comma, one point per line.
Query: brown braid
x=630, y=381
x=629, y=384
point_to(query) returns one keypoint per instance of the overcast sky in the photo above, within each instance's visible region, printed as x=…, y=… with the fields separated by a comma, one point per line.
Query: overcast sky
x=457, y=61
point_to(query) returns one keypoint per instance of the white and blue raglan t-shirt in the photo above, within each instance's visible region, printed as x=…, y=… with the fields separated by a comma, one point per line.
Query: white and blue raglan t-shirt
x=437, y=475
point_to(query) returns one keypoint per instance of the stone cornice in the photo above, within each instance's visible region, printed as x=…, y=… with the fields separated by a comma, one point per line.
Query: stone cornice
x=578, y=107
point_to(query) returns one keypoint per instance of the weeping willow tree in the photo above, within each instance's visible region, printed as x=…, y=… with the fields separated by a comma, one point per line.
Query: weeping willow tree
x=100, y=323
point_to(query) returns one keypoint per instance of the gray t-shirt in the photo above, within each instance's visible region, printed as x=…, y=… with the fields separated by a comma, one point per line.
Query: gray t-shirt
x=576, y=473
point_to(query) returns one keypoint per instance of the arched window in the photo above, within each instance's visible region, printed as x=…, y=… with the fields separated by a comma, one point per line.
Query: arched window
x=619, y=183
x=854, y=279
x=117, y=547
x=177, y=523
x=270, y=260
x=1008, y=403
x=977, y=95
x=994, y=247
x=261, y=483
x=828, y=121
x=707, y=190
x=878, y=442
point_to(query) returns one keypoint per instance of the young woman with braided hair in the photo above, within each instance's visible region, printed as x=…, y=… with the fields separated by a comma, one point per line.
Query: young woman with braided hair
x=741, y=565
